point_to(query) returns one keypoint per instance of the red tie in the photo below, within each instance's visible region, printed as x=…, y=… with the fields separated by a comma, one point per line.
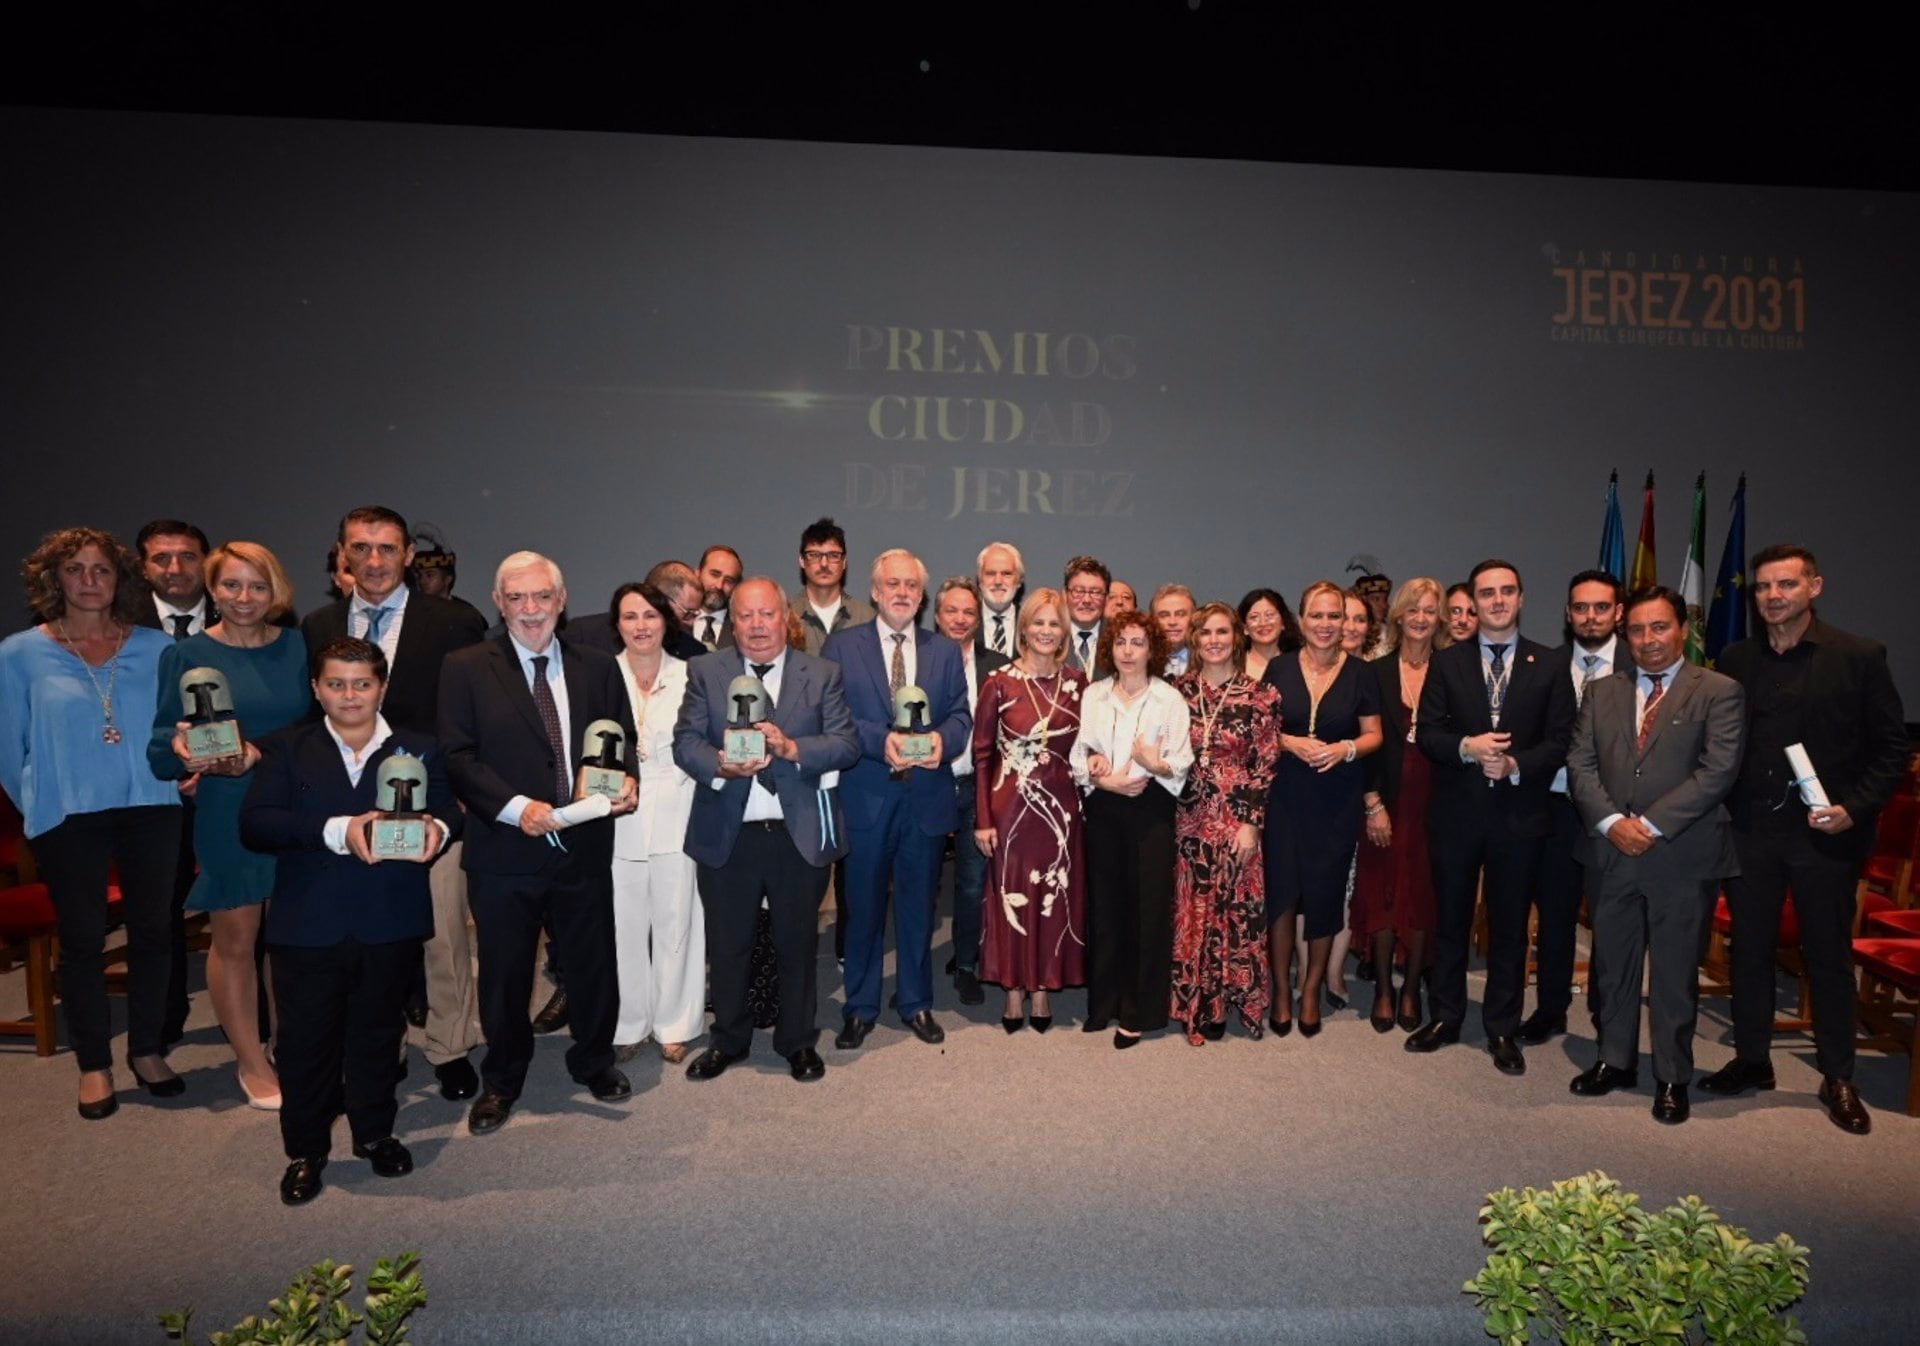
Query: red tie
x=1653, y=699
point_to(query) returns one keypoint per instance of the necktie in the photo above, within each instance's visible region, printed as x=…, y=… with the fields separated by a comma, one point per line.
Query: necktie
x=182, y=625
x=1086, y=661
x=1496, y=680
x=1646, y=715
x=376, y=622
x=1000, y=632
x=706, y=632
x=897, y=671
x=1586, y=680
x=764, y=779
x=550, y=717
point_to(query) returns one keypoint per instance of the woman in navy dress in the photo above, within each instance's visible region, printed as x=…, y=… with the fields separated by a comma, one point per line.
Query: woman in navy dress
x=266, y=669
x=1332, y=719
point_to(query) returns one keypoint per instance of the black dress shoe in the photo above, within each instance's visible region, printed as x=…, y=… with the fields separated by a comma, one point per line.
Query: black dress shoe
x=489, y=1112
x=952, y=968
x=1670, y=1104
x=457, y=1079
x=553, y=1015
x=966, y=984
x=806, y=1064
x=390, y=1159
x=1603, y=1079
x=1041, y=1022
x=171, y=1086
x=417, y=1010
x=1213, y=1032
x=1409, y=1019
x=1280, y=1027
x=609, y=1085
x=1540, y=1027
x=852, y=1033
x=1507, y=1057
x=1122, y=1041
x=301, y=1182
x=1737, y=1076
x=100, y=1109
x=1433, y=1037
x=711, y=1063
x=1310, y=1030
x=1364, y=969
x=927, y=1028
x=1013, y=1025
x=1843, y=1105
x=1094, y=1026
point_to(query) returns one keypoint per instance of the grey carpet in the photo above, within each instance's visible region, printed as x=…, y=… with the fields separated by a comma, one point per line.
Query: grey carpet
x=1026, y=1189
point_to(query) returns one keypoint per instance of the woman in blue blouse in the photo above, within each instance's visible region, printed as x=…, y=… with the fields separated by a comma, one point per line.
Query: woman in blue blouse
x=266, y=669
x=75, y=692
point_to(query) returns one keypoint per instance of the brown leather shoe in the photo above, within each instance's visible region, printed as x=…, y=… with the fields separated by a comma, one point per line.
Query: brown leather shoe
x=673, y=1053
x=1842, y=1102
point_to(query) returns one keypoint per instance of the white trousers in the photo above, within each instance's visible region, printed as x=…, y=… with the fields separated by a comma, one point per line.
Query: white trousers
x=453, y=1002
x=660, y=947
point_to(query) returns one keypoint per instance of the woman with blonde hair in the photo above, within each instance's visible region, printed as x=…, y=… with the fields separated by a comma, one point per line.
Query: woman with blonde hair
x=265, y=670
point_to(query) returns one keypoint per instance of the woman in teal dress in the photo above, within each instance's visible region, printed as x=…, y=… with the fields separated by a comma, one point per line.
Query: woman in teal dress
x=265, y=667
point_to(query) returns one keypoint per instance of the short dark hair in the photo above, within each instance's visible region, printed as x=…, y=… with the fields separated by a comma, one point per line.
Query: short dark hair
x=1606, y=577
x=1660, y=593
x=373, y=515
x=823, y=530
x=1461, y=588
x=654, y=599
x=351, y=650
x=1784, y=551
x=169, y=528
x=721, y=546
x=1086, y=565
x=1158, y=651
x=1494, y=563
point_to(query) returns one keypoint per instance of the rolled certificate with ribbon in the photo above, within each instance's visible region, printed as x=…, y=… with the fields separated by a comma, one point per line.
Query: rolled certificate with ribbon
x=1812, y=793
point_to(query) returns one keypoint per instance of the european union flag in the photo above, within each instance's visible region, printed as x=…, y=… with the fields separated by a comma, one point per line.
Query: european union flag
x=1613, y=536
x=1727, y=618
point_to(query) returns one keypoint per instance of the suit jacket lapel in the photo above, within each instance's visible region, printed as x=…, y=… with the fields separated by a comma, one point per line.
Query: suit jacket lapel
x=1684, y=680
x=795, y=690
x=506, y=667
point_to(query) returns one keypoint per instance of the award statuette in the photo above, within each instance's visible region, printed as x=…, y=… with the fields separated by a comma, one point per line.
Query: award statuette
x=601, y=771
x=400, y=832
x=910, y=722
x=213, y=733
x=746, y=707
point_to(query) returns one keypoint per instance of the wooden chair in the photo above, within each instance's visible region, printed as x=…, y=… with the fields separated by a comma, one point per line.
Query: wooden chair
x=27, y=936
x=1890, y=1002
x=1890, y=869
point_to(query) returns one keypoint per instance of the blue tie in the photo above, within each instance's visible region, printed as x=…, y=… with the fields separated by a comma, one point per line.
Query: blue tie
x=376, y=622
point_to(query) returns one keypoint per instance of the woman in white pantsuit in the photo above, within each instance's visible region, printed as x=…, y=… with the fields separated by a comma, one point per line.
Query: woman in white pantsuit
x=659, y=934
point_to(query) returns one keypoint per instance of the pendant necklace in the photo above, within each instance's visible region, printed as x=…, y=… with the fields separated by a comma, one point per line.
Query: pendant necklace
x=1317, y=687
x=1209, y=714
x=111, y=733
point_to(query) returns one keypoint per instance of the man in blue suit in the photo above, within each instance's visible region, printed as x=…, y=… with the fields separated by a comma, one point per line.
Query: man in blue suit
x=345, y=927
x=765, y=829
x=899, y=811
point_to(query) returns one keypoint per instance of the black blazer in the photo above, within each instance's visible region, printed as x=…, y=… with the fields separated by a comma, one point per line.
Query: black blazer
x=1855, y=729
x=1381, y=770
x=320, y=898
x=150, y=616
x=1538, y=712
x=497, y=748
x=433, y=629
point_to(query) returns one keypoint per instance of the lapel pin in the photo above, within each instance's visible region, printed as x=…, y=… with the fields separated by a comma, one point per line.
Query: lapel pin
x=1529, y=658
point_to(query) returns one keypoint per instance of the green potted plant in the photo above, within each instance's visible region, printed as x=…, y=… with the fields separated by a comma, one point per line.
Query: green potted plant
x=314, y=1309
x=1581, y=1262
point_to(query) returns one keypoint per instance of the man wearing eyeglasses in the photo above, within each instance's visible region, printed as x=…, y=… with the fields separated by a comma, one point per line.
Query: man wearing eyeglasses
x=823, y=572
x=1086, y=585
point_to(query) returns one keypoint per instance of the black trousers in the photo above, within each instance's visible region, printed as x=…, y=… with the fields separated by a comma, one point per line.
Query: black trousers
x=174, y=1027
x=342, y=1019
x=765, y=863
x=576, y=898
x=75, y=859
x=1130, y=855
x=1511, y=864
x=1823, y=897
x=1563, y=882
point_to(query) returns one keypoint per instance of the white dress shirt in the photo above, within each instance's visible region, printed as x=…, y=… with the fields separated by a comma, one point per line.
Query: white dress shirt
x=998, y=628
x=359, y=617
x=1642, y=688
x=1110, y=725
x=334, y=832
x=763, y=806
x=196, y=615
x=908, y=655
x=1577, y=670
x=557, y=684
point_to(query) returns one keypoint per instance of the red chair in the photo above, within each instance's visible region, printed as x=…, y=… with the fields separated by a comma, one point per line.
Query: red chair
x=1890, y=993
x=1890, y=870
x=1894, y=924
x=1716, y=968
x=28, y=934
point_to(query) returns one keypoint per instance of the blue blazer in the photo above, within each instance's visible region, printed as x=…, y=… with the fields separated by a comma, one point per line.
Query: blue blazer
x=811, y=711
x=320, y=898
x=937, y=672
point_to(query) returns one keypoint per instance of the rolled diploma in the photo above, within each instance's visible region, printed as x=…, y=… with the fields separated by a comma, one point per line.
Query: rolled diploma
x=1812, y=793
x=583, y=810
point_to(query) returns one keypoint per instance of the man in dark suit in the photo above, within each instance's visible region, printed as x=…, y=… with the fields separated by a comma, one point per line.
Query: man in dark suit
x=1593, y=651
x=1002, y=577
x=415, y=632
x=1654, y=757
x=956, y=612
x=1817, y=686
x=1496, y=716
x=345, y=926
x=767, y=828
x=512, y=714
x=899, y=811
x=1085, y=584
x=719, y=573
x=172, y=555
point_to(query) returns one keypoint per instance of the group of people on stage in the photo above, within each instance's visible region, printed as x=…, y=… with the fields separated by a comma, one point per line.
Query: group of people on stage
x=1189, y=808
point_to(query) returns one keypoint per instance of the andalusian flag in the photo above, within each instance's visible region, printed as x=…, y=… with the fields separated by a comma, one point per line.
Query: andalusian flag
x=1693, y=576
x=1613, y=537
x=1643, y=575
x=1727, y=618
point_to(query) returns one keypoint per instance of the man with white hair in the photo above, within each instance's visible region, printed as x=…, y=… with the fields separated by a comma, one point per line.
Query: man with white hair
x=1001, y=573
x=513, y=710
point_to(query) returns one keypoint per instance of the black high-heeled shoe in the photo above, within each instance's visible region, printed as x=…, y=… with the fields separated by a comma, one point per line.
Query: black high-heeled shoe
x=1015, y=1024
x=1335, y=1003
x=1041, y=1022
x=1122, y=1041
x=1410, y=1022
x=1382, y=1023
x=1213, y=1032
x=1280, y=1027
x=171, y=1087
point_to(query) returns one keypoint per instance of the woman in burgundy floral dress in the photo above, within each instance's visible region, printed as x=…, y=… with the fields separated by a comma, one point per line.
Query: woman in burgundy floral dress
x=1034, y=932
x=1220, y=913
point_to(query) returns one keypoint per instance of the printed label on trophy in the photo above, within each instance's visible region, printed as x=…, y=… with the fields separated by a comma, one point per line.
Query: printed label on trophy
x=744, y=745
x=602, y=768
x=206, y=704
x=218, y=741
x=916, y=743
x=400, y=838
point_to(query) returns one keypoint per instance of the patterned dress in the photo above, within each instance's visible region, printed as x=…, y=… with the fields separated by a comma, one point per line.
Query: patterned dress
x=1034, y=933
x=1220, y=913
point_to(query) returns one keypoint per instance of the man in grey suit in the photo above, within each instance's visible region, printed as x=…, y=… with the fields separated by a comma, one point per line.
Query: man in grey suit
x=1654, y=757
x=764, y=829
